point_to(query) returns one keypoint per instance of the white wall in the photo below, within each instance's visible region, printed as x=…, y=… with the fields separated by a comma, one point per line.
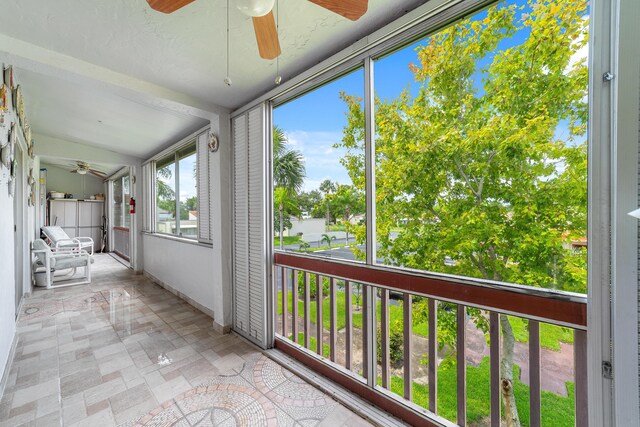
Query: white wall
x=184, y=267
x=81, y=186
x=7, y=275
x=307, y=226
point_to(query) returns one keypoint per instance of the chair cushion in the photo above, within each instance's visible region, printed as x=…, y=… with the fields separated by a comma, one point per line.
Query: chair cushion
x=71, y=261
x=55, y=233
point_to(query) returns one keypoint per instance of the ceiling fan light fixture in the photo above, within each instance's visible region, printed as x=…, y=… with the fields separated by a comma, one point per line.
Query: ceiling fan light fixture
x=255, y=8
x=82, y=171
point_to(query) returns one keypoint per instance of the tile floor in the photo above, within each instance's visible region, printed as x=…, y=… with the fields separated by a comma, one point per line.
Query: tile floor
x=123, y=351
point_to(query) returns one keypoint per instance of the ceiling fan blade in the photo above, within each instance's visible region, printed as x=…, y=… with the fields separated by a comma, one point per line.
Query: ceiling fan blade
x=167, y=6
x=74, y=171
x=350, y=9
x=266, y=36
x=97, y=173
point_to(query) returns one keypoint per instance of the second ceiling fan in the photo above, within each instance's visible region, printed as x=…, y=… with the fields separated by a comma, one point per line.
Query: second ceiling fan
x=263, y=22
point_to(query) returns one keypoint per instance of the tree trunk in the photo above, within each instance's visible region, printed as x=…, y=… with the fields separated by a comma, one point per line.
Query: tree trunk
x=328, y=218
x=281, y=213
x=506, y=374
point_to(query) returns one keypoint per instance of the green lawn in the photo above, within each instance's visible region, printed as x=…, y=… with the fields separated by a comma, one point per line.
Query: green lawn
x=557, y=411
x=326, y=350
x=550, y=335
x=288, y=240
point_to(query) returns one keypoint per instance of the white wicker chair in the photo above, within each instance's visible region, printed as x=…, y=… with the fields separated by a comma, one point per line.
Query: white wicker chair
x=61, y=260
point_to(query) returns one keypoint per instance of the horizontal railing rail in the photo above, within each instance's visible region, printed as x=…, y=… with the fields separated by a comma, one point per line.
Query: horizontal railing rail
x=349, y=355
x=556, y=307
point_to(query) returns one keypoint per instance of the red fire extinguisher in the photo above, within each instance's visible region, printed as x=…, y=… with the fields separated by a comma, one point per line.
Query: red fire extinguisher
x=132, y=205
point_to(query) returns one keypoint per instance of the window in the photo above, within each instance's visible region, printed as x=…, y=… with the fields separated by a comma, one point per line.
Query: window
x=121, y=197
x=319, y=204
x=176, y=193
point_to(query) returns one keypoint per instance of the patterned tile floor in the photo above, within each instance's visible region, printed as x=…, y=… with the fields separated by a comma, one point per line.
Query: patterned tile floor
x=123, y=351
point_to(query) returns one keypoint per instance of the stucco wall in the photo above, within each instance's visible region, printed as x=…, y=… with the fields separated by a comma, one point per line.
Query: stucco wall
x=81, y=186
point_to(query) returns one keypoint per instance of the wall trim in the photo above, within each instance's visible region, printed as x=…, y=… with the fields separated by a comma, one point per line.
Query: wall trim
x=7, y=368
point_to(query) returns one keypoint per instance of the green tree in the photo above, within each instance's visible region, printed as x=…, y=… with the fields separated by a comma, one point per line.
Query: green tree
x=328, y=239
x=308, y=200
x=327, y=187
x=346, y=202
x=288, y=164
x=287, y=205
x=165, y=195
x=288, y=177
x=487, y=162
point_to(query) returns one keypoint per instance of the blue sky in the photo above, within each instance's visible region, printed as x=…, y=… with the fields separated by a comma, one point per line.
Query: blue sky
x=314, y=122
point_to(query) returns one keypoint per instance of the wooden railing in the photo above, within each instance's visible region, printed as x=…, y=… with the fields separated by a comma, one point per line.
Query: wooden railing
x=371, y=375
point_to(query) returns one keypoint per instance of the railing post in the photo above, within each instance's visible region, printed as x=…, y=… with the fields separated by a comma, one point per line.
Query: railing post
x=433, y=355
x=348, y=325
x=384, y=338
x=333, y=318
x=461, y=366
x=294, y=305
x=307, y=311
x=534, y=373
x=494, y=359
x=285, y=303
x=580, y=367
x=319, y=307
x=408, y=345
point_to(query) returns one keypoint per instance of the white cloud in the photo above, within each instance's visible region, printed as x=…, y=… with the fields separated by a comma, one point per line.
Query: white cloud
x=322, y=160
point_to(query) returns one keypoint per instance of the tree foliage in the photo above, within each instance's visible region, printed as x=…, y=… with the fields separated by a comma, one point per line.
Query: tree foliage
x=486, y=162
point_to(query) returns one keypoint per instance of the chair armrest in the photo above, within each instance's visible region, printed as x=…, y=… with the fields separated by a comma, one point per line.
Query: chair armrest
x=65, y=241
x=84, y=239
x=70, y=253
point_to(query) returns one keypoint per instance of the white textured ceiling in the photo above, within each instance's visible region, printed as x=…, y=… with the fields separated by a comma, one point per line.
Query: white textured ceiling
x=69, y=165
x=182, y=54
x=77, y=113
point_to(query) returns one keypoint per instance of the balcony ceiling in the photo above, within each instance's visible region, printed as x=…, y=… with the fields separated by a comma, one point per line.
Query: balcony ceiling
x=150, y=76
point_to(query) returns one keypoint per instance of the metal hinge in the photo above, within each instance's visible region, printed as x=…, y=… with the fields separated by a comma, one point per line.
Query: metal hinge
x=607, y=77
x=607, y=370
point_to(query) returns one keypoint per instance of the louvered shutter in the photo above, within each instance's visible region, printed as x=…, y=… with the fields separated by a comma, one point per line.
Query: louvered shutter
x=148, y=183
x=204, y=188
x=250, y=264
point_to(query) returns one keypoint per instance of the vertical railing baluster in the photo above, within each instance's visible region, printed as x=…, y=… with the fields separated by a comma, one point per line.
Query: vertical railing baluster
x=580, y=368
x=461, y=366
x=494, y=360
x=333, y=318
x=285, y=303
x=319, y=328
x=348, y=334
x=307, y=311
x=534, y=373
x=294, y=305
x=407, y=344
x=433, y=355
x=384, y=338
x=365, y=331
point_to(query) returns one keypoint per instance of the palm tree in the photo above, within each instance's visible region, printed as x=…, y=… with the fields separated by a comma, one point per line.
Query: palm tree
x=288, y=165
x=327, y=187
x=286, y=203
x=288, y=177
x=328, y=239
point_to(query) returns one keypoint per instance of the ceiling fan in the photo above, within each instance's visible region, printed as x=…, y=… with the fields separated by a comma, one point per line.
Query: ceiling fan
x=263, y=22
x=83, y=167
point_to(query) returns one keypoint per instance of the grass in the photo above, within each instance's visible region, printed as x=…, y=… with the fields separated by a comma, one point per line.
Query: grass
x=557, y=410
x=323, y=247
x=287, y=240
x=395, y=313
x=326, y=350
x=550, y=335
